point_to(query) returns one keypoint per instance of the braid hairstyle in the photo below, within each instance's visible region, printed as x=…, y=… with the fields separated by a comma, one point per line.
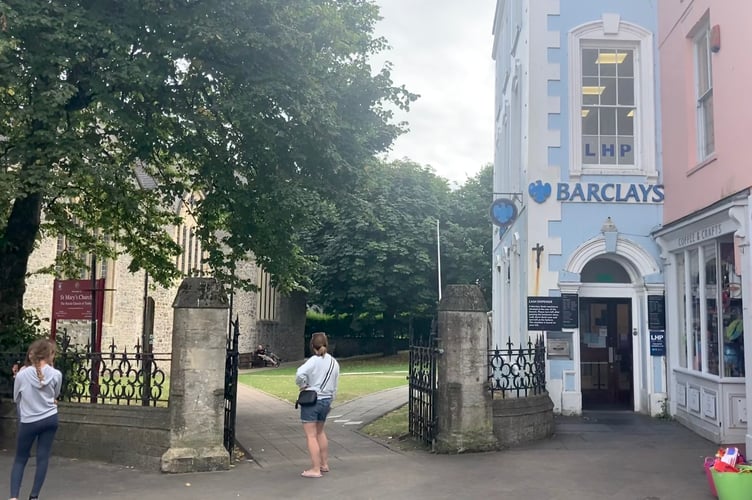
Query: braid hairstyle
x=40, y=350
x=319, y=343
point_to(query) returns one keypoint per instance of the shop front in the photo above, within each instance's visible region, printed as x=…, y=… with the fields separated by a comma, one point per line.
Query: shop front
x=705, y=304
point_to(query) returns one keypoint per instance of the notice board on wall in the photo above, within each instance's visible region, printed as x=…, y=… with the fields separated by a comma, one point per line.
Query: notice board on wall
x=656, y=312
x=544, y=313
x=570, y=310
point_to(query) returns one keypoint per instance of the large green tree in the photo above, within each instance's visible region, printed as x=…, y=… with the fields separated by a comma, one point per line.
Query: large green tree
x=467, y=233
x=376, y=247
x=246, y=101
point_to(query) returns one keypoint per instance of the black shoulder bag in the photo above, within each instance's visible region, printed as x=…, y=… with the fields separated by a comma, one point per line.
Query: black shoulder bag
x=308, y=397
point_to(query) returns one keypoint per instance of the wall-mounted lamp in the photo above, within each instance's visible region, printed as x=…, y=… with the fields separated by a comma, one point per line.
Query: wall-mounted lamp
x=715, y=38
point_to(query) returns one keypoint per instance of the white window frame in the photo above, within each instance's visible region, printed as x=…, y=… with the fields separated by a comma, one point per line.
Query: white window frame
x=703, y=31
x=612, y=32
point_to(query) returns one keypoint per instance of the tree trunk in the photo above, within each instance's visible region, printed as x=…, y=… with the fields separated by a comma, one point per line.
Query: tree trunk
x=16, y=244
x=388, y=345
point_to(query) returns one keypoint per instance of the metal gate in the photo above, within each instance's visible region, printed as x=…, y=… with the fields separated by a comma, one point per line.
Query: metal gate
x=422, y=414
x=231, y=385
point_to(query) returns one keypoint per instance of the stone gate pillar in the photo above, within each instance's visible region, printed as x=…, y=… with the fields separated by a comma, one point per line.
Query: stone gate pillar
x=464, y=403
x=197, y=378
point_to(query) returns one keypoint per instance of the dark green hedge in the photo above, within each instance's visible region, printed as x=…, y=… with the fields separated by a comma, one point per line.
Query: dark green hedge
x=350, y=336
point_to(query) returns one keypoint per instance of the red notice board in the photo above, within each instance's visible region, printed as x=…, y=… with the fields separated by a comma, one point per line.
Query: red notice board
x=72, y=299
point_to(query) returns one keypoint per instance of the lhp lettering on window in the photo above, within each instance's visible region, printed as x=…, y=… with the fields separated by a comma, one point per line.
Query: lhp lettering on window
x=606, y=151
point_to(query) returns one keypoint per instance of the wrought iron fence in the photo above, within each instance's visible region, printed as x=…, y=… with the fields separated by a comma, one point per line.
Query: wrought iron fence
x=518, y=371
x=114, y=377
x=231, y=385
x=423, y=387
x=110, y=377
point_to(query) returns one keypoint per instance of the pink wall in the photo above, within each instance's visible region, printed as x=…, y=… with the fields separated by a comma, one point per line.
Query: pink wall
x=691, y=185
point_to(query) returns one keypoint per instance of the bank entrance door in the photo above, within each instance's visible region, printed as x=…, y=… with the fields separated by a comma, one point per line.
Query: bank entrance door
x=606, y=353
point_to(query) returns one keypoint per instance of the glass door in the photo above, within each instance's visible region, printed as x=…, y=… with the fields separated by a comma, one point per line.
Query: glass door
x=606, y=353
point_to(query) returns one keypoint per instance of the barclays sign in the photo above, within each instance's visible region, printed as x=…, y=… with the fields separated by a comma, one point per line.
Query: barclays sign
x=593, y=192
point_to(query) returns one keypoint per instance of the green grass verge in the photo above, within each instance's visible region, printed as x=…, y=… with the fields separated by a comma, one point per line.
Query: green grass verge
x=393, y=430
x=358, y=377
x=393, y=425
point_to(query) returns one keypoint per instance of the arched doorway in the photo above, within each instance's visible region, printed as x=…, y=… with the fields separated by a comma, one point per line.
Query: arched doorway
x=620, y=275
x=606, y=359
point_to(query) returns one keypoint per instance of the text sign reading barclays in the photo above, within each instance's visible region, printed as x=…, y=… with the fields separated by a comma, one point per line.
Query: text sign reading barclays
x=593, y=192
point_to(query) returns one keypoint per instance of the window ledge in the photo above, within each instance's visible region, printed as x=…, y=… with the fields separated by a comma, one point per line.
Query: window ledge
x=601, y=170
x=709, y=376
x=704, y=163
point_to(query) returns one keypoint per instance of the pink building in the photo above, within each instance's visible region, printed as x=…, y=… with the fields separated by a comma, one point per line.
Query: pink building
x=705, y=105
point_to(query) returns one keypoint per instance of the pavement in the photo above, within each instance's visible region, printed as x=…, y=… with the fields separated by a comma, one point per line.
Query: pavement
x=600, y=455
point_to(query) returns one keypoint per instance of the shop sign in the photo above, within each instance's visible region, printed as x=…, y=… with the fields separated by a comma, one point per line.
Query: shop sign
x=657, y=343
x=594, y=192
x=503, y=212
x=699, y=235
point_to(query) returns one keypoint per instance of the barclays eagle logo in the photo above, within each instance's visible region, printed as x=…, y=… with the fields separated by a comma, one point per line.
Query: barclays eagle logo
x=504, y=213
x=539, y=191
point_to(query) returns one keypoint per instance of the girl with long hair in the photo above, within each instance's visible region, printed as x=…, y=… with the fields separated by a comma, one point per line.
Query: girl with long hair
x=321, y=374
x=35, y=391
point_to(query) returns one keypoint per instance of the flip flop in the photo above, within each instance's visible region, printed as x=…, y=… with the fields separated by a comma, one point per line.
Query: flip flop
x=310, y=474
x=325, y=469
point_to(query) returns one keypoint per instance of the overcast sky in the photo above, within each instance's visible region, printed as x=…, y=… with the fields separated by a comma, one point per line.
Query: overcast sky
x=441, y=49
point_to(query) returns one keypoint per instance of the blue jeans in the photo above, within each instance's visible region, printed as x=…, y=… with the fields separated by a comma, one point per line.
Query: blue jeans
x=44, y=432
x=316, y=412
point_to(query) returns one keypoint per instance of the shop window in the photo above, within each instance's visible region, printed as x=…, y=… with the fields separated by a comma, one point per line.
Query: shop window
x=732, y=331
x=712, y=332
x=682, y=280
x=695, y=345
x=711, y=313
x=704, y=93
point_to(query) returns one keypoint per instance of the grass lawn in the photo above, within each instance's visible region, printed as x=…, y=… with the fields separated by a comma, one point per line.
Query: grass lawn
x=393, y=430
x=357, y=377
x=393, y=425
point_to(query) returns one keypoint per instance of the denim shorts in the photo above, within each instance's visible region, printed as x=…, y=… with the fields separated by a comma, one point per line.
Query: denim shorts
x=316, y=412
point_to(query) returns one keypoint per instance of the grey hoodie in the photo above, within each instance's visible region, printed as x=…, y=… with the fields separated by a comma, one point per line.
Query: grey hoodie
x=35, y=399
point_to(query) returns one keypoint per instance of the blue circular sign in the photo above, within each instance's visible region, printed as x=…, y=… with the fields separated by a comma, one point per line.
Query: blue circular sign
x=503, y=212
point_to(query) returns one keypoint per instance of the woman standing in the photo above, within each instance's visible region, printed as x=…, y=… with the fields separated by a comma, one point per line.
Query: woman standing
x=321, y=374
x=35, y=391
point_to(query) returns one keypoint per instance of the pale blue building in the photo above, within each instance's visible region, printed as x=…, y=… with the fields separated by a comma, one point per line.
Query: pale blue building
x=577, y=155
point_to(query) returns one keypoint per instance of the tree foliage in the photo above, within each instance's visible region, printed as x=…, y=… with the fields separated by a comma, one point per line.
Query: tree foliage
x=467, y=234
x=376, y=247
x=252, y=103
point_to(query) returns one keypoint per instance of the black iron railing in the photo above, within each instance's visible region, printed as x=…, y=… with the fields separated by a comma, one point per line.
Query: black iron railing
x=110, y=377
x=518, y=371
x=114, y=376
x=231, y=385
x=423, y=388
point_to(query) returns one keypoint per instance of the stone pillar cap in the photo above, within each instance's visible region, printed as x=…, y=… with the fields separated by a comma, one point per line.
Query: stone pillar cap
x=201, y=293
x=463, y=298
